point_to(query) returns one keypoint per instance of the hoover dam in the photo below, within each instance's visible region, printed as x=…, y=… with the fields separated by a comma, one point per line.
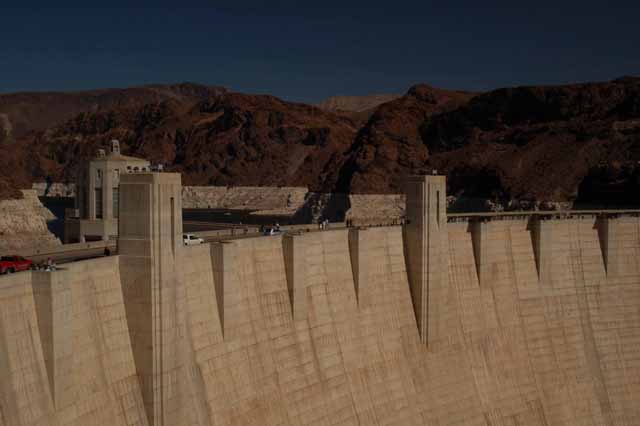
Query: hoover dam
x=496, y=320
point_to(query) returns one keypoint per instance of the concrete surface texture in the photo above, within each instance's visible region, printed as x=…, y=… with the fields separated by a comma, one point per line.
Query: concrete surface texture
x=519, y=322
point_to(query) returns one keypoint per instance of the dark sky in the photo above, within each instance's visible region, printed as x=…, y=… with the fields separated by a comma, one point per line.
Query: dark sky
x=307, y=50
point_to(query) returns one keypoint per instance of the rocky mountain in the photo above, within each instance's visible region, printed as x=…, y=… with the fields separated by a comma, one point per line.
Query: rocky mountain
x=554, y=143
x=558, y=143
x=543, y=143
x=23, y=225
x=21, y=113
x=390, y=145
x=6, y=128
x=230, y=138
x=355, y=103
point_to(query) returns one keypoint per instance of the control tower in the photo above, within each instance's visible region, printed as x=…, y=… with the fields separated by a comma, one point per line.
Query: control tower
x=97, y=195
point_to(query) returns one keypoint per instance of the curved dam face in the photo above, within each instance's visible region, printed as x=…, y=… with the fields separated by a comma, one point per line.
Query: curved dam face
x=504, y=321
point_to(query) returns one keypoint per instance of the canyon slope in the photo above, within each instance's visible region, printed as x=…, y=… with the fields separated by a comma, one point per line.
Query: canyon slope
x=21, y=113
x=577, y=143
x=23, y=225
x=355, y=103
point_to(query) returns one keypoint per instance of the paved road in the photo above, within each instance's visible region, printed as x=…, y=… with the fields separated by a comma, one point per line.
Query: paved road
x=72, y=256
x=84, y=253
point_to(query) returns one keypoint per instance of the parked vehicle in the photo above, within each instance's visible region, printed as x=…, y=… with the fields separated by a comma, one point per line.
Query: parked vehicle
x=271, y=230
x=11, y=264
x=191, y=240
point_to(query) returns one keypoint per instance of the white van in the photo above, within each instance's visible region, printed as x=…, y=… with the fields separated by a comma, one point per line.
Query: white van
x=191, y=240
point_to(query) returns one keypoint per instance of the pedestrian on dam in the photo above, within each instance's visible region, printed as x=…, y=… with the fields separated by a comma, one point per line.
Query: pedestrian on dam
x=50, y=265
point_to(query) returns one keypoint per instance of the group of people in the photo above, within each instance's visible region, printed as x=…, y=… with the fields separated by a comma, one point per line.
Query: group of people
x=270, y=230
x=48, y=266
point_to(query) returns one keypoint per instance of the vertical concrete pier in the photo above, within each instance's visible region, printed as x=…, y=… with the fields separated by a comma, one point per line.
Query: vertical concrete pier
x=150, y=244
x=358, y=245
x=479, y=229
x=224, y=270
x=425, y=243
x=620, y=244
x=294, y=249
x=542, y=240
x=606, y=227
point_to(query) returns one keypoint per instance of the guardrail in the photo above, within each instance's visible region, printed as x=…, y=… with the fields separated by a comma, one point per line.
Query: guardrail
x=313, y=226
x=237, y=230
x=65, y=248
x=225, y=233
x=543, y=213
x=240, y=231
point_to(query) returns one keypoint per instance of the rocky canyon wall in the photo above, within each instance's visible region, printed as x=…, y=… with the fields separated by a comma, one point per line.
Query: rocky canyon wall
x=23, y=224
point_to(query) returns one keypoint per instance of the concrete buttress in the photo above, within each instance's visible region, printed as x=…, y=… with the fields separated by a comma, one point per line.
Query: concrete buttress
x=425, y=239
x=150, y=246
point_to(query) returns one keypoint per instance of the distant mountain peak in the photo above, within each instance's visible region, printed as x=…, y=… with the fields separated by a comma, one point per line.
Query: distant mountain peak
x=33, y=111
x=355, y=103
x=527, y=142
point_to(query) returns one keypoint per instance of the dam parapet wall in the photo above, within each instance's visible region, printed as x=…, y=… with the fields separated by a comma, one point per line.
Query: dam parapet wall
x=525, y=319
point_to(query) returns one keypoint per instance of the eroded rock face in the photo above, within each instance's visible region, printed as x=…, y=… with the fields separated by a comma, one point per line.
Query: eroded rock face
x=359, y=209
x=6, y=128
x=355, y=103
x=266, y=200
x=376, y=208
x=614, y=184
x=38, y=111
x=55, y=189
x=23, y=224
x=524, y=143
x=390, y=146
x=536, y=143
x=230, y=139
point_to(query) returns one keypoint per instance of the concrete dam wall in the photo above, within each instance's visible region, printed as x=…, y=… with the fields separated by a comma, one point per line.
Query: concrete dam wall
x=490, y=321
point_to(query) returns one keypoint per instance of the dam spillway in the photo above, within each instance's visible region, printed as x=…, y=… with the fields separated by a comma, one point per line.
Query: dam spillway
x=507, y=320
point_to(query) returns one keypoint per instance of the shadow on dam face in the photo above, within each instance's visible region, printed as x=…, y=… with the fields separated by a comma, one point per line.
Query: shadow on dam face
x=518, y=322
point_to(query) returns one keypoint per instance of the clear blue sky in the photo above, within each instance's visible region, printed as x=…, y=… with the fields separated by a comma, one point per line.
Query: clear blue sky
x=308, y=50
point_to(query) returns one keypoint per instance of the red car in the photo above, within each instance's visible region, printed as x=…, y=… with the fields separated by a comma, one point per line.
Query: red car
x=10, y=264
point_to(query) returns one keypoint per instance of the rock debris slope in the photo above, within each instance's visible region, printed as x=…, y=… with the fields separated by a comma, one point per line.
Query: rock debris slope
x=23, y=225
